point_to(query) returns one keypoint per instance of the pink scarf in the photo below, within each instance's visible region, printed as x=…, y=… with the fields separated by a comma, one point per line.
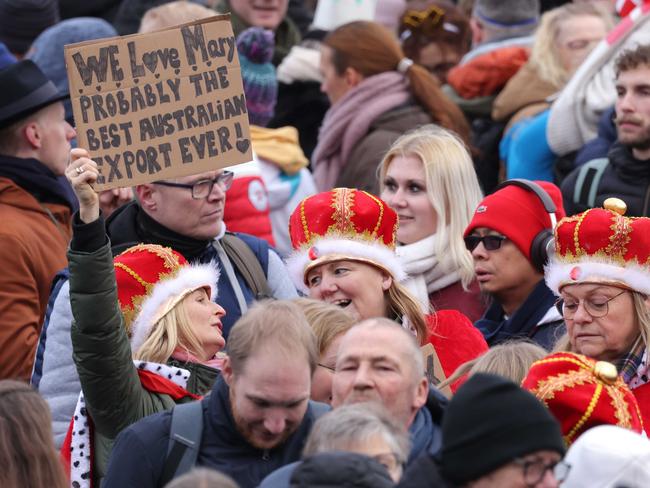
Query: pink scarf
x=349, y=119
x=187, y=357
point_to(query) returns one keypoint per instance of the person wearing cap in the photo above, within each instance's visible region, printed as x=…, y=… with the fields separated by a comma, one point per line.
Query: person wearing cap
x=608, y=457
x=34, y=208
x=166, y=307
x=344, y=253
x=21, y=21
x=600, y=271
x=494, y=435
x=509, y=237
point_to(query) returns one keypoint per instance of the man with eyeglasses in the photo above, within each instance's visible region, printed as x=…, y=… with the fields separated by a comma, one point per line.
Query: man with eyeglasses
x=494, y=435
x=185, y=214
x=508, y=237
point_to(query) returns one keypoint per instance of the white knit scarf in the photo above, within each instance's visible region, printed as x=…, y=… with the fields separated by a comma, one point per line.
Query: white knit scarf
x=81, y=445
x=427, y=272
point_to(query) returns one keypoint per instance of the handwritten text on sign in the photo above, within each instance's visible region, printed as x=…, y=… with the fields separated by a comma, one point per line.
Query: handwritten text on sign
x=155, y=106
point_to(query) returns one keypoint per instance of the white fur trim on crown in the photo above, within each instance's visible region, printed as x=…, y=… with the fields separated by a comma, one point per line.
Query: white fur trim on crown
x=558, y=274
x=381, y=254
x=189, y=278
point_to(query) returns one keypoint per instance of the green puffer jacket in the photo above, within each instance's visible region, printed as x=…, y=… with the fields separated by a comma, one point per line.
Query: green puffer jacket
x=101, y=351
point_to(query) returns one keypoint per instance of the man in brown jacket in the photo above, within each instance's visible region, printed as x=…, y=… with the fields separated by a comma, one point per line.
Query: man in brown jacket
x=34, y=209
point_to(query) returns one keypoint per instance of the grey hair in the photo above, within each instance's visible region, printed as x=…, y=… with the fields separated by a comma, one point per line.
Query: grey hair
x=352, y=425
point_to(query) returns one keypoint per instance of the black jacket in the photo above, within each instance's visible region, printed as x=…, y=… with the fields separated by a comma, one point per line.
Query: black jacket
x=424, y=473
x=625, y=177
x=140, y=451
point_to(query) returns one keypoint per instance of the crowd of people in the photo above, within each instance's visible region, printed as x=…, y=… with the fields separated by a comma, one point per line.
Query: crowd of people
x=435, y=271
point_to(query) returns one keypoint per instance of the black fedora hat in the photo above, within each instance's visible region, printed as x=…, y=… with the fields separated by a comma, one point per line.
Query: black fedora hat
x=24, y=89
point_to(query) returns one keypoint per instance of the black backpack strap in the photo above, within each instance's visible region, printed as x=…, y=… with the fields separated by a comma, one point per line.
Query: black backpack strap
x=184, y=440
x=244, y=259
x=587, y=182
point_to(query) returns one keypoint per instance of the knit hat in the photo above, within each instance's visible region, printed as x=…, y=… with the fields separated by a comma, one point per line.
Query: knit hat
x=21, y=21
x=342, y=224
x=582, y=393
x=603, y=246
x=517, y=213
x=608, y=457
x=489, y=422
x=255, y=46
x=151, y=281
x=6, y=58
x=47, y=49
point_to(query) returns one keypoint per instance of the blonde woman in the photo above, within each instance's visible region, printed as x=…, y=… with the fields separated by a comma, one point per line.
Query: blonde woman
x=344, y=254
x=428, y=178
x=565, y=37
x=151, y=294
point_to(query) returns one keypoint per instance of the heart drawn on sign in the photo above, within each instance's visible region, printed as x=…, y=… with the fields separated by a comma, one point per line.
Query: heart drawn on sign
x=242, y=145
x=150, y=60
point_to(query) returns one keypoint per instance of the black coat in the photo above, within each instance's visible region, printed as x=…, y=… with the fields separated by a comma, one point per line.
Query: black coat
x=625, y=177
x=424, y=473
x=140, y=451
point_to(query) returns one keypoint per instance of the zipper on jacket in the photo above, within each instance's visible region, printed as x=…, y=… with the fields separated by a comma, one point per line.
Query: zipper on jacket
x=646, y=201
x=266, y=455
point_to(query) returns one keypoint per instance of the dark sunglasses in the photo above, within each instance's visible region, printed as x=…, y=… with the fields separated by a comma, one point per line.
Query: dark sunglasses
x=491, y=243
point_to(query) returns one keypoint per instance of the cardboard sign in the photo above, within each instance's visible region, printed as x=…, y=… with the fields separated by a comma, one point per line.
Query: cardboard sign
x=160, y=105
x=433, y=368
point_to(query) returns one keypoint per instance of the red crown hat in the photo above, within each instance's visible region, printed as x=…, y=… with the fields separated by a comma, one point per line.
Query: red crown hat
x=601, y=245
x=151, y=280
x=342, y=223
x=582, y=393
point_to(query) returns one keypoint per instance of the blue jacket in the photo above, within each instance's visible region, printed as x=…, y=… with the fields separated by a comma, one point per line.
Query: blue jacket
x=536, y=319
x=140, y=451
x=599, y=147
x=525, y=149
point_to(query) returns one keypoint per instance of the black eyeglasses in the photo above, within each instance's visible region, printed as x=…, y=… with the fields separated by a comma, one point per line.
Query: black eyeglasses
x=490, y=242
x=595, y=308
x=535, y=470
x=202, y=188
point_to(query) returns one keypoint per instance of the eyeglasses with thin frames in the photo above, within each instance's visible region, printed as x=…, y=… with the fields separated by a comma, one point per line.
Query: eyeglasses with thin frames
x=202, y=188
x=535, y=470
x=596, y=308
x=490, y=242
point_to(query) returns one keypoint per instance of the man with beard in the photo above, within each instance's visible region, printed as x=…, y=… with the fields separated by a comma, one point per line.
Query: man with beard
x=625, y=173
x=380, y=361
x=258, y=414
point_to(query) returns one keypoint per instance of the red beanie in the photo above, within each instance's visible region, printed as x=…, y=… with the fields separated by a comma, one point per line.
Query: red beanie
x=517, y=213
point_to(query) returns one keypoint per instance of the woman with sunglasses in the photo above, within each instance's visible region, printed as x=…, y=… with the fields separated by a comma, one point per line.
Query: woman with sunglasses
x=428, y=178
x=344, y=254
x=601, y=271
x=508, y=236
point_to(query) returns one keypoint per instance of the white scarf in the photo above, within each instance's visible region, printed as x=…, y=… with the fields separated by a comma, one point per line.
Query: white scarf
x=80, y=468
x=427, y=272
